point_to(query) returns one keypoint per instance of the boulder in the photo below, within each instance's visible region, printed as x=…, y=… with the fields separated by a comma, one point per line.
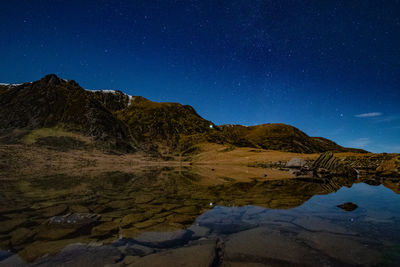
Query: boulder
x=296, y=163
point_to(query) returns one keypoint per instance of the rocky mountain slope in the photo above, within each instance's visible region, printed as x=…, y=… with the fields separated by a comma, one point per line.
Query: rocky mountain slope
x=52, y=102
x=162, y=123
x=114, y=120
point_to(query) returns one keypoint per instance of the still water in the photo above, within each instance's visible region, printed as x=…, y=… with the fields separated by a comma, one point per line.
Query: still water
x=179, y=217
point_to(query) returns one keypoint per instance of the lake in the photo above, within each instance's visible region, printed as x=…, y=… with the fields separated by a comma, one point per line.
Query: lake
x=197, y=216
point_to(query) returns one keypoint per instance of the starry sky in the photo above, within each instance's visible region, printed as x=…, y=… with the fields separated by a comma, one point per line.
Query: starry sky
x=330, y=68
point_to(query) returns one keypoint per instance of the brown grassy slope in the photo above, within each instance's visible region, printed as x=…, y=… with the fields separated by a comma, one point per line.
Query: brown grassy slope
x=217, y=154
x=276, y=136
x=20, y=160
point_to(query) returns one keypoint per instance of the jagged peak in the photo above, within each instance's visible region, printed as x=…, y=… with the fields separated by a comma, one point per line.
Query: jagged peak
x=52, y=79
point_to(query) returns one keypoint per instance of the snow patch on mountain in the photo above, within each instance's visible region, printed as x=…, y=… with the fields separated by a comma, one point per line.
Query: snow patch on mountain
x=11, y=84
x=131, y=98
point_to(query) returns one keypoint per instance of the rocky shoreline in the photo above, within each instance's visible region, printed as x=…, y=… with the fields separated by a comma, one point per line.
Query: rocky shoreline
x=327, y=165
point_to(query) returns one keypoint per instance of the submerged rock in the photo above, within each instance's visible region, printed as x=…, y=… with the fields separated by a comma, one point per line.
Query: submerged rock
x=59, y=227
x=55, y=233
x=138, y=250
x=105, y=229
x=9, y=225
x=199, y=231
x=349, y=250
x=164, y=239
x=274, y=248
x=54, y=210
x=82, y=255
x=316, y=224
x=75, y=219
x=348, y=206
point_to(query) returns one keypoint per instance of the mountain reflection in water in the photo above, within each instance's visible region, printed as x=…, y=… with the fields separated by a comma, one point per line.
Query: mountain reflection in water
x=146, y=212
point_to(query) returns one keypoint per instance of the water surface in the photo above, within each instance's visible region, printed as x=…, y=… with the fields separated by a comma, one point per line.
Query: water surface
x=158, y=215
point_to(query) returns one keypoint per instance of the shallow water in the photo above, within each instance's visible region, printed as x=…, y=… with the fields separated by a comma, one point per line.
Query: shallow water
x=160, y=216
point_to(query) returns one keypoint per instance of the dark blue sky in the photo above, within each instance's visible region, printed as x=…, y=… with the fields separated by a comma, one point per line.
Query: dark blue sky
x=330, y=68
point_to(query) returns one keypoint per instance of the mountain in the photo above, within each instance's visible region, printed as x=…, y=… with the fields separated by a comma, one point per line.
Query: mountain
x=54, y=102
x=278, y=136
x=162, y=123
x=114, y=120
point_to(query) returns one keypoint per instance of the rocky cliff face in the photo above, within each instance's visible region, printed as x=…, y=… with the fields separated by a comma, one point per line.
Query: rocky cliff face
x=112, y=100
x=52, y=102
x=134, y=123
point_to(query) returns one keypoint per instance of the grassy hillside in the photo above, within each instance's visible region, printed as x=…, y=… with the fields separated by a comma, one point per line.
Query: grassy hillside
x=274, y=136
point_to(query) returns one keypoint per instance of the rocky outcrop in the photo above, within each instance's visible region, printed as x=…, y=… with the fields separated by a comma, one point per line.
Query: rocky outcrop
x=327, y=165
x=112, y=100
x=389, y=167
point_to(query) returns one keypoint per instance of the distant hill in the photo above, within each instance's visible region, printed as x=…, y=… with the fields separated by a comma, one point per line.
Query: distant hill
x=114, y=120
x=278, y=136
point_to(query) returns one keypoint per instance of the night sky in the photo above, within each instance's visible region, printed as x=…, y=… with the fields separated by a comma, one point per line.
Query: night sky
x=330, y=68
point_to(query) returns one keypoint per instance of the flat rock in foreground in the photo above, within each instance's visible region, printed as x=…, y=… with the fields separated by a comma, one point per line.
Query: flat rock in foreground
x=82, y=255
x=272, y=248
x=198, y=255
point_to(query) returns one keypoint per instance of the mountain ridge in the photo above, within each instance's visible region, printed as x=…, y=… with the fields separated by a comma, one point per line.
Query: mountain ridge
x=133, y=123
